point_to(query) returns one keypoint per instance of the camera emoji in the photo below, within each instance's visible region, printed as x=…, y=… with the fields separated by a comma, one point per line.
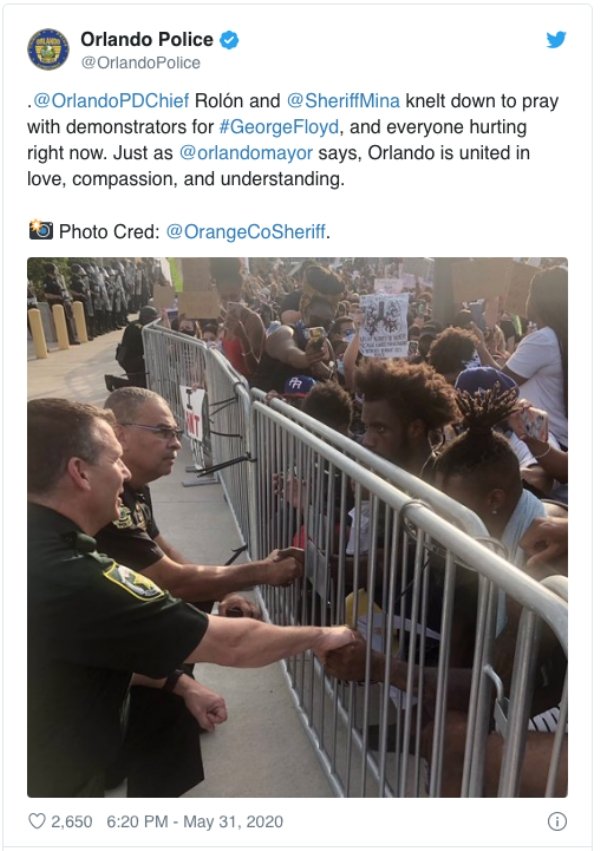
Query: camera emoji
x=41, y=230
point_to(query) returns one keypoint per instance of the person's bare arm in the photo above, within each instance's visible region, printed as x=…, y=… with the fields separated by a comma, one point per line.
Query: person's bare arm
x=350, y=663
x=484, y=353
x=350, y=357
x=207, y=707
x=238, y=605
x=196, y=582
x=518, y=379
x=247, y=326
x=553, y=461
x=281, y=346
x=247, y=643
x=546, y=540
x=170, y=551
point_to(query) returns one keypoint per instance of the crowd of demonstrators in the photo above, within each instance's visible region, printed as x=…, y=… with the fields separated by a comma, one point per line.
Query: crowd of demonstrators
x=450, y=412
x=284, y=326
x=481, y=471
x=109, y=289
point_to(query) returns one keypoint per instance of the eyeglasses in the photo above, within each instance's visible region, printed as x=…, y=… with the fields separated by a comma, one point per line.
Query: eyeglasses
x=166, y=432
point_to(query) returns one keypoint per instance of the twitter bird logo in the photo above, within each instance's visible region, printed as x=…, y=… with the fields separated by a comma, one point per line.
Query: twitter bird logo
x=555, y=40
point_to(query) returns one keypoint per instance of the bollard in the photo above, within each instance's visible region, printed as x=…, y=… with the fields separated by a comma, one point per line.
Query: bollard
x=37, y=332
x=79, y=316
x=60, y=323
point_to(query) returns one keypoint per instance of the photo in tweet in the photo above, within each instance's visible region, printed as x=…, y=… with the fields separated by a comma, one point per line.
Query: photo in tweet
x=376, y=418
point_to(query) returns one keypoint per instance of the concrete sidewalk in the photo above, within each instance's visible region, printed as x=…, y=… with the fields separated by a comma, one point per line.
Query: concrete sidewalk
x=262, y=750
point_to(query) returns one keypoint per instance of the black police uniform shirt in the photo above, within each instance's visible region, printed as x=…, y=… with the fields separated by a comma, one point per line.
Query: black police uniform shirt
x=91, y=624
x=130, y=538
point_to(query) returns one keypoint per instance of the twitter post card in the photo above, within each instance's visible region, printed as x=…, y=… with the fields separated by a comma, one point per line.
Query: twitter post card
x=293, y=397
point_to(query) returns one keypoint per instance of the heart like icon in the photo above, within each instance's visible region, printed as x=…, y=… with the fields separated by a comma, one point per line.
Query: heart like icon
x=37, y=820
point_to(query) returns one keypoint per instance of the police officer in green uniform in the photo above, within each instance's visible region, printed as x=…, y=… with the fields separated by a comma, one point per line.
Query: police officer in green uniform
x=92, y=622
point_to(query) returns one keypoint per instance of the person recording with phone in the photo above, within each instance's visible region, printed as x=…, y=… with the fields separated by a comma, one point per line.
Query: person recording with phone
x=540, y=364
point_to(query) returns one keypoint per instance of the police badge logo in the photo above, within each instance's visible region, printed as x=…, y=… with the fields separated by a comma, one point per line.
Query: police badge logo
x=132, y=582
x=48, y=49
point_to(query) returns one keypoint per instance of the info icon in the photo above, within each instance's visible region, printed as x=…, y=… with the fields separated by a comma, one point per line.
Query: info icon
x=48, y=49
x=41, y=230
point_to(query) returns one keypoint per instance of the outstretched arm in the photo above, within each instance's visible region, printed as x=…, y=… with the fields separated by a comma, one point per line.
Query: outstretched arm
x=195, y=582
x=246, y=643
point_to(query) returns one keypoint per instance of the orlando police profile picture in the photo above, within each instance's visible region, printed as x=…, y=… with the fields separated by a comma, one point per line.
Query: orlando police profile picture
x=48, y=49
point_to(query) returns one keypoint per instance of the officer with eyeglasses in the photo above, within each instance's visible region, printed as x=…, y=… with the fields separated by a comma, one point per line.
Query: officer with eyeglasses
x=150, y=437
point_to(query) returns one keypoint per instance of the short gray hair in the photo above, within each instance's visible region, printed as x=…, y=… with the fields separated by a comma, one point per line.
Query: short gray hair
x=126, y=402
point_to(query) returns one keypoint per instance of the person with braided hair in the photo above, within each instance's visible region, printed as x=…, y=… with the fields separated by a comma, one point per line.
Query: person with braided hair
x=538, y=473
x=480, y=469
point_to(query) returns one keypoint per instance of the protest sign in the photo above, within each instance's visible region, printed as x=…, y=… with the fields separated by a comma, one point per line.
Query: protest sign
x=383, y=332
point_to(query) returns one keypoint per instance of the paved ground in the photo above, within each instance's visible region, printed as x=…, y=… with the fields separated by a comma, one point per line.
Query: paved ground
x=262, y=750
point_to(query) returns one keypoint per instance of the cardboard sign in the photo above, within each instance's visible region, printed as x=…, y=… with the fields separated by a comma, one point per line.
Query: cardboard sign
x=195, y=272
x=485, y=277
x=200, y=305
x=163, y=297
x=383, y=331
x=193, y=406
x=518, y=289
x=421, y=267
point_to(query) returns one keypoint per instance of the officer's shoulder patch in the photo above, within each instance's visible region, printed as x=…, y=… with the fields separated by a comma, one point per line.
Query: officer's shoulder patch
x=132, y=582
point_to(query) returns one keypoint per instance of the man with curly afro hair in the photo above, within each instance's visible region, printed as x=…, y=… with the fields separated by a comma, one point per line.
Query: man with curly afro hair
x=405, y=408
x=454, y=350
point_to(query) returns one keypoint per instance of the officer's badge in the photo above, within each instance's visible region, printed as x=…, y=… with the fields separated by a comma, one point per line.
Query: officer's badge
x=133, y=582
x=124, y=520
x=48, y=49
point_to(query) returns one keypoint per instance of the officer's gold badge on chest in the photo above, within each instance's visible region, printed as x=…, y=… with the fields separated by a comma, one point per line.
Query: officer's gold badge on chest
x=132, y=582
x=128, y=519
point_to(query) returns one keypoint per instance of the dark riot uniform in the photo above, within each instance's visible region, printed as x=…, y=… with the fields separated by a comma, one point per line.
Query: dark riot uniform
x=91, y=624
x=145, y=757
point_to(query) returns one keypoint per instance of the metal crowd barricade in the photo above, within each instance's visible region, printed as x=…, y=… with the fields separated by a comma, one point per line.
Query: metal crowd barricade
x=462, y=517
x=424, y=595
x=230, y=435
x=410, y=571
x=174, y=360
